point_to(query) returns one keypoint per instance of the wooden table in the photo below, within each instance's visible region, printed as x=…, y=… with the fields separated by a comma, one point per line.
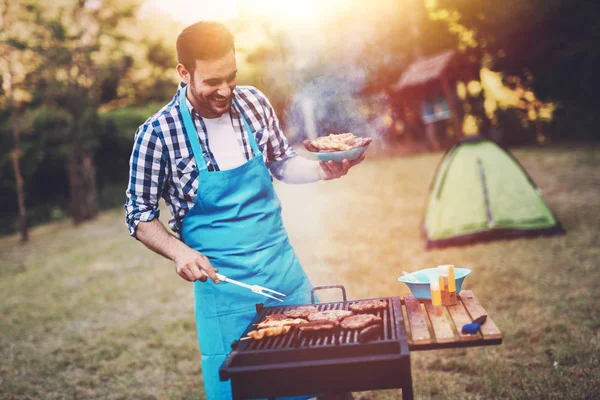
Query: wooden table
x=428, y=331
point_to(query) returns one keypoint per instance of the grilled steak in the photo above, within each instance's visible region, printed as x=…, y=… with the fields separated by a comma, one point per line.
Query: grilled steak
x=317, y=326
x=370, y=332
x=300, y=312
x=368, y=305
x=360, y=321
x=330, y=315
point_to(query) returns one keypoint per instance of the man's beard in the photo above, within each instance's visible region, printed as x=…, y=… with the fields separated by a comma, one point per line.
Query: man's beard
x=210, y=104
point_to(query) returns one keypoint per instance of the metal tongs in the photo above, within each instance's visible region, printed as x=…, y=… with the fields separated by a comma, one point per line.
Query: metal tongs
x=255, y=288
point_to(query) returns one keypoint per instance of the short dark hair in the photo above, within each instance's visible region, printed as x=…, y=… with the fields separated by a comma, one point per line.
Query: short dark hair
x=203, y=40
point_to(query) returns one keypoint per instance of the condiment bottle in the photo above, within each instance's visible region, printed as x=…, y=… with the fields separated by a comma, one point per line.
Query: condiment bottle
x=451, y=280
x=447, y=285
x=444, y=272
x=436, y=297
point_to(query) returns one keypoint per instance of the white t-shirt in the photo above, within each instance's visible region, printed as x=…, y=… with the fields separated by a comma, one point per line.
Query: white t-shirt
x=223, y=142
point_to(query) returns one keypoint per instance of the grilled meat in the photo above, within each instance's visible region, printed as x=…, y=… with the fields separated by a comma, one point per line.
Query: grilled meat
x=334, y=316
x=275, y=317
x=300, y=312
x=369, y=333
x=368, y=306
x=360, y=321
x=280, y=322
x=310, y=147
x=317, y=326
x=336, y=142
x=267, y=332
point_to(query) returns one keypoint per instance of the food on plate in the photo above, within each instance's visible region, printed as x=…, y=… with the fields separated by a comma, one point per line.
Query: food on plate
x=368, y=305
x=300, y=312
x=317, y=326
x=268, y=332
x=334, y=316
x=360, y=321
x=336, y=142
x=280, y=322
x=369, y=333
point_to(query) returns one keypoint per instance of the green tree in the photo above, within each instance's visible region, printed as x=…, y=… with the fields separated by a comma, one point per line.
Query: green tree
x=82, y=46
x=17, y=61
x=553, y=42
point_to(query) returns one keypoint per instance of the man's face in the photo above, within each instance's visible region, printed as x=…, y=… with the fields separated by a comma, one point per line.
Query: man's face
x=211, y=85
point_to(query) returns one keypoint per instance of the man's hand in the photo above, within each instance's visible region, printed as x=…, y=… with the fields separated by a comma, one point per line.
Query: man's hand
x=192, y=266
x=333, y=170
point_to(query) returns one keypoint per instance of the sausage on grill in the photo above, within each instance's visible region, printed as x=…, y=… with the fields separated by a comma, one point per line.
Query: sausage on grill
x=275, y=317
x=267, y=332
x=281, y=322
x=317, y=326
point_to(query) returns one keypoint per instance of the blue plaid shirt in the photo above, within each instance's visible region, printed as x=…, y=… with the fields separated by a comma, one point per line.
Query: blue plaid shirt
x=162, y=162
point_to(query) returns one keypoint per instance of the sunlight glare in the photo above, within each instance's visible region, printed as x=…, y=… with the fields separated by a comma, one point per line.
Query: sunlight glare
x=187, y=12
x=294, y=12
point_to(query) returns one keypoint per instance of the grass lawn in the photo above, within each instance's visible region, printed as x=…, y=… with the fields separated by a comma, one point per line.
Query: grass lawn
x=87, y=312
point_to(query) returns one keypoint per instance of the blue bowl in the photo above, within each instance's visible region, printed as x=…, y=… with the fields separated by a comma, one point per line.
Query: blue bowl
x=339, y=156
x=421, y=290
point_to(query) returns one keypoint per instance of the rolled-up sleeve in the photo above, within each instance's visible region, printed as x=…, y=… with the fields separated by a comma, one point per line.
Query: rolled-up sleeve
x=147, y=173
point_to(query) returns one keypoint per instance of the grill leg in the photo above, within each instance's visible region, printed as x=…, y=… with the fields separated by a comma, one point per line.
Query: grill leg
x=236, y=391
x=407, y=392
x=407, y=389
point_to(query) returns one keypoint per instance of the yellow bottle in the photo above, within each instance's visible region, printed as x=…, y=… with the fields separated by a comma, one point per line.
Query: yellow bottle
x=444, y=272
x=436, y=297
x=451, y=280
x=447, y=284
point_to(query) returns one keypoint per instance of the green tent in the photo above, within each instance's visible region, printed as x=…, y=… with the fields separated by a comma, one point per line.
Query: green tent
x=480, y=192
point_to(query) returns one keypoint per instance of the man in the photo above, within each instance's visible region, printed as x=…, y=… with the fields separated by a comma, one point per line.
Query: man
x=208, y=153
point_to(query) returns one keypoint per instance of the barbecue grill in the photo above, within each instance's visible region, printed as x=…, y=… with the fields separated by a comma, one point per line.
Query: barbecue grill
x=335, y=361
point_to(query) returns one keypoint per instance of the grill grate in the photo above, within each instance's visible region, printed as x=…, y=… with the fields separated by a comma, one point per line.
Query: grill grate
x=336, y=337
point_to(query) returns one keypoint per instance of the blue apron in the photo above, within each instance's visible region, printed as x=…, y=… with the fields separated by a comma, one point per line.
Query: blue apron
x=236, y=223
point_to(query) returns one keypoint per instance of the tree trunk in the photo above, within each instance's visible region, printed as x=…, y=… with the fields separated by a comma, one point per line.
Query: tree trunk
x=75, y=181
x=16, y=156
x=89, y=178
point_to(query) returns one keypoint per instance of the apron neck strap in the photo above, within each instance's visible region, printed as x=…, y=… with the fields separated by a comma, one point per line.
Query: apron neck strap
x=192, y=133
x=190, y=130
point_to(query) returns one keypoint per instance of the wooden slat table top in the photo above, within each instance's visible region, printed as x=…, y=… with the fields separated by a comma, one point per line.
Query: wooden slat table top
x=428, y=331
x=416, y=319
x=489, y=330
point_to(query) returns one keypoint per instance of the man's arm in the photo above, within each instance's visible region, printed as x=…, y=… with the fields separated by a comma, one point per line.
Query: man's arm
x=188, y=262
x=286, y=165
x=298, y=169
x=147, y=173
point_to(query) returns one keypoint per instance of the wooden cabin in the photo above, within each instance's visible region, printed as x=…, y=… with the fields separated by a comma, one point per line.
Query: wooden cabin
x=425, y=98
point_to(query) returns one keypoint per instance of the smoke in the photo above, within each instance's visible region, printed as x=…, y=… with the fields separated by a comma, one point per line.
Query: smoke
x=326, y=72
